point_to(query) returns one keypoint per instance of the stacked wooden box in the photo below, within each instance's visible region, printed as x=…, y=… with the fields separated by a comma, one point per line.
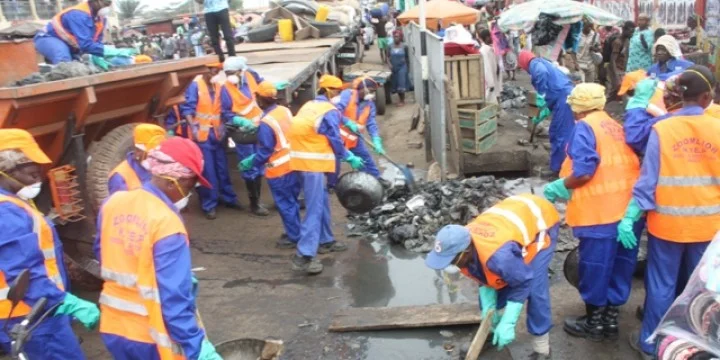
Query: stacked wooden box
x=478, y=126
x=467, y=78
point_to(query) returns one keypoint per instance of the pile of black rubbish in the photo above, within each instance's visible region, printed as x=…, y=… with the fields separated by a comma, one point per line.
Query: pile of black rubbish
x=513, y=97
x=413, y=219
x=61, y=71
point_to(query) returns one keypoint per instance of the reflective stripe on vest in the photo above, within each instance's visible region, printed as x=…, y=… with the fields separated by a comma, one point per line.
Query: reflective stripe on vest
x=165, y=341
x=207, y=113
x=241, y=104
x=309, y=150
x=279, y=120
x=351, y=111
x=311, y=156
x=687, y=195
x=513, y=218
x=67, y=36
x=4, y=293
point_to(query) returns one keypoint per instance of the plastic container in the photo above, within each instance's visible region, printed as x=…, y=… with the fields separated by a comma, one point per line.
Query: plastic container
x=322, y=13
x=285, y=29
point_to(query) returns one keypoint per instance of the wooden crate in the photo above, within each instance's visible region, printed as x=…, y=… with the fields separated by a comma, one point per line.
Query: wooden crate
x=478, y=128
x=467, y=76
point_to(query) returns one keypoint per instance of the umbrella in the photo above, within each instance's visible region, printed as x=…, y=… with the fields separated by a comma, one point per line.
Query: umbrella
x=441, y=13
x=523, y=16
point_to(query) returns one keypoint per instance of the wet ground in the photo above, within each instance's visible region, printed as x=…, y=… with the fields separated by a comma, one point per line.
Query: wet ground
x=248, y=289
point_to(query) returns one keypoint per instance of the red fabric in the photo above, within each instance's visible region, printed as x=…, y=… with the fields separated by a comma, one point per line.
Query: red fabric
x=188, y=154
x=460, y=49
x=524, y=59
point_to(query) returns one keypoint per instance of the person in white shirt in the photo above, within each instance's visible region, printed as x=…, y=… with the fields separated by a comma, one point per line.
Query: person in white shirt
x=493, y=79
x=589, y=43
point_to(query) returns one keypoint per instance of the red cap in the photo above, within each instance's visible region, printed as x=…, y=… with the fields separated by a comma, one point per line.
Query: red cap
x=187, y=154
x=524, y=59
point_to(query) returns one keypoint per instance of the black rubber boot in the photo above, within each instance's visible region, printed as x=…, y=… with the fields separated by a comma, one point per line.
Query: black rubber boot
x=253, y=188
x=588, y=326
x=610, y=322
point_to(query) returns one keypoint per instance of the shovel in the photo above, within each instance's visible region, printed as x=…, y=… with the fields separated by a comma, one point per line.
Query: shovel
x=409, y=178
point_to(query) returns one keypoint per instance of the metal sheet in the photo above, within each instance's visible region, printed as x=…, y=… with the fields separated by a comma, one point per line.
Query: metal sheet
x=413, y=34
x=436, y=99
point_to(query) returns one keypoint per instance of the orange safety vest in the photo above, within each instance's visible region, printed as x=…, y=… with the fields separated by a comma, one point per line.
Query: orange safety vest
x=687, y=196
x=310, y=151
x=713, y=110
x=242, y=105
x=132, y=223
x=46, y=243
x=523, y=219
x=609, y=190
x=279, y=120
x=207, y=112
x=128, y=174
x=179, y=127
x=348, y=137
x=66, y=35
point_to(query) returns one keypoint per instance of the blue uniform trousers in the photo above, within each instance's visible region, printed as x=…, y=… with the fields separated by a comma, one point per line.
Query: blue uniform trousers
x=53, y=339
x=539, y=315
x=316, y=228
x=362, y=151
x=216, y=172
x=561, y=127
x=285, y=191
x=667, y=263
x=124, y=349
x=243, y=151
x=53, y=49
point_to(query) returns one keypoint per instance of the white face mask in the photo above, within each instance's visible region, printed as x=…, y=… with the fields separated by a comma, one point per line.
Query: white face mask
x=182, y=203
x=451, y=269
x=234, y=79
x=104, y=12
x=335, y=100
x=369, y=97
x=145, y=164
x=30, y=192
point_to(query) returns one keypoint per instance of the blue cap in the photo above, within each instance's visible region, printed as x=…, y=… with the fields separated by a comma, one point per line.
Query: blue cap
x=450, y=241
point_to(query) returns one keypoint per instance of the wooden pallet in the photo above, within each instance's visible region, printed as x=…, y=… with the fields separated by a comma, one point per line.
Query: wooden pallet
x=467, y=77
x=478, y=128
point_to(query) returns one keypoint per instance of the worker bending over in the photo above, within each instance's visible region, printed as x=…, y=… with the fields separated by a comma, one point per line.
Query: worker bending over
x=132, y=172
x=240, y=109
x=314, y=146
x=174, y=124
x=30, y=242
x=76, y=31
x=147, y=304
x=201, y=111
x=357, y=104
x=507, y=251
x=552, y=87
x=679, y=190
x=597, y=179
x=273, y=155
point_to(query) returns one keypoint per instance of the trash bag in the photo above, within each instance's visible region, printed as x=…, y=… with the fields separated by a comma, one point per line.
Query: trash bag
x=545, y=31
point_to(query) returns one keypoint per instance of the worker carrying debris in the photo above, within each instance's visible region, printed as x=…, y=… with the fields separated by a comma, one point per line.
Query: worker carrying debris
x=552, y=87
x=357, y=104
x=132, y=172
x=29, y=241
x=315, y=145
x=596, y=180
x=147, y=303
x=272, y=156
x=507, y=250
x=679, y=190
x=76, y=31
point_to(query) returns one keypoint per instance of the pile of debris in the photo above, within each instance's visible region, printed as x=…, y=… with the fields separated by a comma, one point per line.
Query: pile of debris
x=513, y=97
x=413, y=219
x=60, y=71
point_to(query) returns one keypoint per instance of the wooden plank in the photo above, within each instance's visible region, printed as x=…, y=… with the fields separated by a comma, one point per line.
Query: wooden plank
x=475, y=91
x=464, y=79
x=455, y=79
x=481, y=335
x=404, y=317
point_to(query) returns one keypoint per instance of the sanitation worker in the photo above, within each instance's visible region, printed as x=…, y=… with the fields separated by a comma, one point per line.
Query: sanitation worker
x=131, y=173
x=598, y=173
x=507, y=250
x=76, y=31
x=315, y=145
x=201, y=111
x=553, y=88
x=273, y=155
x=30, y=242
x=358, y=107
x=240, y=109
x=679, y=190
x=147, y=303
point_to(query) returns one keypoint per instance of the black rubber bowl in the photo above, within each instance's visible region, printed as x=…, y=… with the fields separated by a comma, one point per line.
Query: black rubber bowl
x=359, y=192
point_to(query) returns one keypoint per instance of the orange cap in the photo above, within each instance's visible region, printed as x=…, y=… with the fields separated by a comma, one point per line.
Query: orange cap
x=330, y=82
x=217, y=65
x=144, y=136
x=266, y=89
x=18, y=139
x=630, y=80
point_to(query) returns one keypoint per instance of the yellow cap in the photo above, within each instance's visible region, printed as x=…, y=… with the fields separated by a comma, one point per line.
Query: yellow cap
x=18, y=139
x=266, y=89
x=630, y=80
x=330, y=82
x=217, y=65
x=144, y=134
x=586, y=97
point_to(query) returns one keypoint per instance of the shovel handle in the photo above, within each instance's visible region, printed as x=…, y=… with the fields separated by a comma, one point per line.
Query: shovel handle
x=367, y=141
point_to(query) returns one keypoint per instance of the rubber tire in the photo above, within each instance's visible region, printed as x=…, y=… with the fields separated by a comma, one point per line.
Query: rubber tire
x=380, y=100
x=108, y=153
x=388, y=92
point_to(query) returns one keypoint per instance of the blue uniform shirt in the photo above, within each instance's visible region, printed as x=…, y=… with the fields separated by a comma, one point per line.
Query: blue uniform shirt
x=117, y=183
x=171, y=256
x=82, y=26
x=674, y=67
x=637, y=126
x=211, y=6
x=345, y=99
x=227, y=104
x=189, y=107
x=266, y=141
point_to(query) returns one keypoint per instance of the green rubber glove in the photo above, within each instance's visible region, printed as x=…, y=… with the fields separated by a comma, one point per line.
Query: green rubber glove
x=171, y=132
x=626, y=235
x=83, y=311
x=355, y=161
x=109, y=51
x=644, y=90
x=556, y=190
x=194, y=286
x=378, y=146
x=281, y=85
x=504, y=332
x=544, y=114
x=487, y=298
x=246, y=163
x=353, y=126
x=100, y=62
x=207, y=351
x=540, y=101
x=242, y=122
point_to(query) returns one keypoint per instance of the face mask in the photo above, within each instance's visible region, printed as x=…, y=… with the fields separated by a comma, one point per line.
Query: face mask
x=234, y=79
x=145, y=164
x=182, y=203
x=451, y=269
x=104, y=12
x=30, y=192
x=369, y=97
x=335, y=100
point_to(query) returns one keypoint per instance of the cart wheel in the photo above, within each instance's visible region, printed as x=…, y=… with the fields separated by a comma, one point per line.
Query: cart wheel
x=380, y=100
x=388, y=92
